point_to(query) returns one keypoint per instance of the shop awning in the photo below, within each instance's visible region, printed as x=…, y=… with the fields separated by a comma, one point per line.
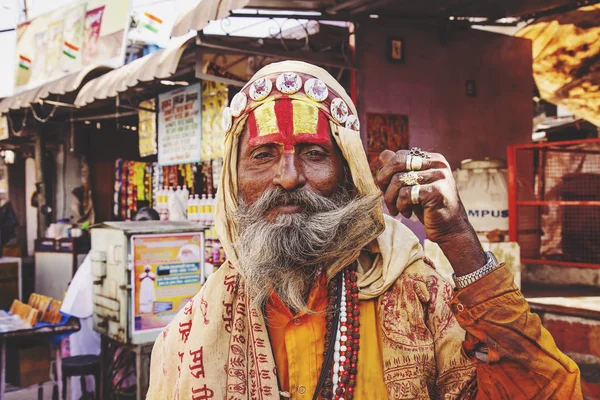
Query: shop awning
x=202, y=12
x=67, y=84
x=566, y=54
x=159, y=65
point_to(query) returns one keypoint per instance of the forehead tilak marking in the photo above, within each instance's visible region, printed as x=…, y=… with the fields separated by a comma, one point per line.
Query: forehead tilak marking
x=287, y=122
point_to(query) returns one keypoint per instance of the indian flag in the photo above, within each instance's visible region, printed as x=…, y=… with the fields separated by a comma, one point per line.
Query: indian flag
x=70, y=50
x=151, y=22
x=24, y=62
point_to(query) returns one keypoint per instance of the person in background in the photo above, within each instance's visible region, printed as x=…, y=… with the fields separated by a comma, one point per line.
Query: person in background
x=146, y=214
x=79, y=303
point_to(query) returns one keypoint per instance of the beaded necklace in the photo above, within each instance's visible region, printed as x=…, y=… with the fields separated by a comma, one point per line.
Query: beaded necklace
x=341, y=378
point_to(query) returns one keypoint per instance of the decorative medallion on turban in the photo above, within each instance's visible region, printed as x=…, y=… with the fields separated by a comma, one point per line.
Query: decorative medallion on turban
x=339, y=110
x=288, y=83
x=227, y=119
x=353, y=123
x=260, y=89
x=316, y=90
x=238, y=104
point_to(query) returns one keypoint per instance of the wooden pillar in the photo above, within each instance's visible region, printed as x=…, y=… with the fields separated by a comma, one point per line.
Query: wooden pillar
x=40, y=181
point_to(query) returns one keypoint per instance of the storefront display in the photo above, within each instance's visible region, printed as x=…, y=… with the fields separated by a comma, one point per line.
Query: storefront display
x=140, y=184
x=163, y=263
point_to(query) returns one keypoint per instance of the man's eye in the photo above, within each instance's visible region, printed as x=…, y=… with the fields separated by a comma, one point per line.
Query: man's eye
x=262, y=155
x=315, y=153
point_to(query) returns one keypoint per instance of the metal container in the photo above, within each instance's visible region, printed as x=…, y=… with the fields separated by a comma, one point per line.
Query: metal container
x=144, y=273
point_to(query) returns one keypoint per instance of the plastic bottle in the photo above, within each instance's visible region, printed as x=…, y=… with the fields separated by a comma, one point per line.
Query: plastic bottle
x=202, y=209
x=163, y=199
x=196, y=208
x=160, y=202
x=209, y=207
x=213, y=203
x=188, y=208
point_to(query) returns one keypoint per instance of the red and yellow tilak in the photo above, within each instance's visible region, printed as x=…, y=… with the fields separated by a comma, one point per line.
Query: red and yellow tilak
x=287, y=122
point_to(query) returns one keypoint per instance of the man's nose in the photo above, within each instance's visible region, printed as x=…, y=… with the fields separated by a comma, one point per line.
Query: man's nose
x=290, y=175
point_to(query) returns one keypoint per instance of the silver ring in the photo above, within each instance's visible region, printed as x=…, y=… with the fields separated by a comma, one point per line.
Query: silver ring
x=414, y=194
x=416, y=163
x=416, y=151
x=411, y=178
x=408, y=161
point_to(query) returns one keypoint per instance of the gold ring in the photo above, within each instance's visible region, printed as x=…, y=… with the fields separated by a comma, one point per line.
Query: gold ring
x=416, y=163
x=414, y=194
x=411, y=178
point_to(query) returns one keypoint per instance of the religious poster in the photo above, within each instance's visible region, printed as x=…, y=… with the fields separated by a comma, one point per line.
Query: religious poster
x=214, y=101
x=167, y=272
x=386, y=132
x=91, y=35
x=180, y=126
x=147, y=128
x=91, y=32
x=4, y=132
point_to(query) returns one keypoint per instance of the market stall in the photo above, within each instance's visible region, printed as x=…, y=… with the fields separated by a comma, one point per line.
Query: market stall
x=28, y=333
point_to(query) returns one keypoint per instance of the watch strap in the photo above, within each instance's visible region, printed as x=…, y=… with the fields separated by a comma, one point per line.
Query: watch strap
x=466, y=280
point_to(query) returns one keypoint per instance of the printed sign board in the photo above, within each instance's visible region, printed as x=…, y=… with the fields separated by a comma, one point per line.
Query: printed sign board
x=180, y=126
x=167, y=272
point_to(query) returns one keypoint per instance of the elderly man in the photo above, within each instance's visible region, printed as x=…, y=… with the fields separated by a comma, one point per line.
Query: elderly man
x=325, y=297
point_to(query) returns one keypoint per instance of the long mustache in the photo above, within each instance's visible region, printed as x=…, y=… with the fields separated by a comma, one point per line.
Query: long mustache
x=310, y=202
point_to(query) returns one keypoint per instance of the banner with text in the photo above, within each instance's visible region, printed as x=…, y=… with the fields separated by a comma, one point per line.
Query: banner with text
x=91, y=32
x=180, y=126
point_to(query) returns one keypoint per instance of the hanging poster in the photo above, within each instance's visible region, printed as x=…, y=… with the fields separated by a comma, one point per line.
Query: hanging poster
x=214, y=101
x=91, y=32
x=179, y=126
x=167, y=272
x=4, y=132
x=147, y=129
x=386, y=132
x=91, y=37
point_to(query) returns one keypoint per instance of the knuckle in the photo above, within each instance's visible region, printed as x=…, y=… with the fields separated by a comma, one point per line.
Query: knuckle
x=389, y=196
x=445, y=173
x=402, y=196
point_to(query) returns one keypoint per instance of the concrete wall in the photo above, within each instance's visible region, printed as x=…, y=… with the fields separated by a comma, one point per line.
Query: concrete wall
x=430, y=87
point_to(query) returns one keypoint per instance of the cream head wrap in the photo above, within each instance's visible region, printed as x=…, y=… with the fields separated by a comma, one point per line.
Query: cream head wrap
x=303, y=82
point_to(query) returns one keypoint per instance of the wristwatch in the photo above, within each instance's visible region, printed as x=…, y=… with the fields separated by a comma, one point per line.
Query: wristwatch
x=465, y=280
